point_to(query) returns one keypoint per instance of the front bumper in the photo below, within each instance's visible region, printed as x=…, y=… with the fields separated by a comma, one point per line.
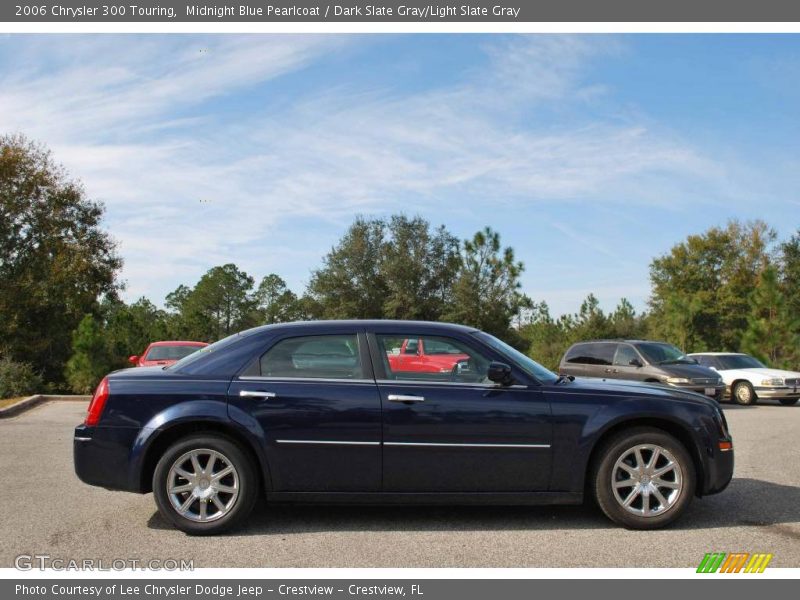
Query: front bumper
x=719, y=390
x=718, y=471
x=778, y=393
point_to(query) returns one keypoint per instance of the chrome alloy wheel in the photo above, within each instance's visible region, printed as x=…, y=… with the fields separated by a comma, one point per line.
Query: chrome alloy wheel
x=647, y=480
x=202, y=485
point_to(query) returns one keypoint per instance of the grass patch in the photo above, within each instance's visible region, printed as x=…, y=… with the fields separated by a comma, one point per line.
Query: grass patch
x=9, y=401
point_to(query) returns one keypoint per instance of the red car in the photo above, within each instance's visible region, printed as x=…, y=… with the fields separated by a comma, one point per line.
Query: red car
x=165, y=353
x=420, y=355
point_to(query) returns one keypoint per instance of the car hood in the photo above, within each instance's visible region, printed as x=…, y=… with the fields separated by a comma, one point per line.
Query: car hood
x=637, y=388
x=688, y=371
x=761, y=372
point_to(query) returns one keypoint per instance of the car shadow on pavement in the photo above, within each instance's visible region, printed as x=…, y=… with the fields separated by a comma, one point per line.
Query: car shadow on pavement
x=746, y=502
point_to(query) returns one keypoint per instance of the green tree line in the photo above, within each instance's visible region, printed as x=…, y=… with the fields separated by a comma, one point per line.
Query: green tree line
x=733, y=287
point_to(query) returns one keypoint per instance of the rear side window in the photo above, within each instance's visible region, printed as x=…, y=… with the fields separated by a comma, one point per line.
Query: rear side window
x=591, y=354
x=318, y=356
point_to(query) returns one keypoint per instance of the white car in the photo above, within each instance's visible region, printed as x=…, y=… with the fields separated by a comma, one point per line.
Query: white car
x=747, y=379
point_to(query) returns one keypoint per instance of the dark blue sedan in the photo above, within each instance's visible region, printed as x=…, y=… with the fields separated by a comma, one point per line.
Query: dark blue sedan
x=323, y=412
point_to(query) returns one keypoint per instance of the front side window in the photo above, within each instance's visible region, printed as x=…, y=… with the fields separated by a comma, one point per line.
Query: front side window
x=660, y=353
x=624, y=355
x=317, y=356
x=440, y=359
x=530, y=366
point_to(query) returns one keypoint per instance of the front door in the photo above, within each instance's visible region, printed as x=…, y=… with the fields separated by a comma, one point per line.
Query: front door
x=316, y=402
x=454, y=431
x=623, y=369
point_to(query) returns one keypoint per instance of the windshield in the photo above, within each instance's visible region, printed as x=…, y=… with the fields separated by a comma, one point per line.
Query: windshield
x=739, y=361
x=170, y=352
x=659, y=353
x=529, y=365
x=203, y=352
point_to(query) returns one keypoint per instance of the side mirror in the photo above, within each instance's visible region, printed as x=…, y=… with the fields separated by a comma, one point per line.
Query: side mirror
x=133, y=359
x=635, y=362
x=499, y=373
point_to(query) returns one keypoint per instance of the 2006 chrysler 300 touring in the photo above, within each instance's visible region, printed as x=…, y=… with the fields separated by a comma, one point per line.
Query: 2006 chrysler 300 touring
x=317, y=412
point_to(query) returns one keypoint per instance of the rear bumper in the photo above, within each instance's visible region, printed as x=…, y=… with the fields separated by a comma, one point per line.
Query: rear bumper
x=101, y=456
x=719, y=472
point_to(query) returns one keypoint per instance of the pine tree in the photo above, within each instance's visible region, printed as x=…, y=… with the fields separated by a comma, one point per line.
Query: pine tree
x=769, y=335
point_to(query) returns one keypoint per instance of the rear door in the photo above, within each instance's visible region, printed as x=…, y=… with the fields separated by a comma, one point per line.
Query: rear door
x=315, y=399
x=574, y=362
x=453, y=431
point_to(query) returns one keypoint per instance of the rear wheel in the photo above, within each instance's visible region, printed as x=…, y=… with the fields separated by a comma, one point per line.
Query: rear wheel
x=789, y=401
x=744, y=394
x=644, y=478
x=205, y=484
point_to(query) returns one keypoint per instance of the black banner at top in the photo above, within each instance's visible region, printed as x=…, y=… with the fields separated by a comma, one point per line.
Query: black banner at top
x=400, y=11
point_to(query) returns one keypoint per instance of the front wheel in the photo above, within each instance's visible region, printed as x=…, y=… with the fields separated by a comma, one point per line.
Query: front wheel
x=744, y=394
x=644, y=478
x=205, y=484
x=789, y=401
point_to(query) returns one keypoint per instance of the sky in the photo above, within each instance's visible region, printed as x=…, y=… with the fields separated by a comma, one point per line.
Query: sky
x=590, y=154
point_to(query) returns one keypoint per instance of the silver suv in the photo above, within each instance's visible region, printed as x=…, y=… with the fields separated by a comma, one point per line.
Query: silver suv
x=641, y=360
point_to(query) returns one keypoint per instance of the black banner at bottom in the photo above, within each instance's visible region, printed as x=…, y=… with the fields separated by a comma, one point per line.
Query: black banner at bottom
x=361, y=589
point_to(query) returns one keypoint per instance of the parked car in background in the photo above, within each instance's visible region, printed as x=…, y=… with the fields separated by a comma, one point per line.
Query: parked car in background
x=165, y=353
x=423, y=355
x=747, y=379
x=641, y=360
x=316, y=412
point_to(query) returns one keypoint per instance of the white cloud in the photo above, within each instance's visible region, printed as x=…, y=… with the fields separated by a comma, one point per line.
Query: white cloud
x=187, y=189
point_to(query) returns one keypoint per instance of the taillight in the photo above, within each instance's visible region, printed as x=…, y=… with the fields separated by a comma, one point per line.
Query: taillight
x=98, y=403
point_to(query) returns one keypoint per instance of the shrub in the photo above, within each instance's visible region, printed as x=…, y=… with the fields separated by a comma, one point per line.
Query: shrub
x=18, y=378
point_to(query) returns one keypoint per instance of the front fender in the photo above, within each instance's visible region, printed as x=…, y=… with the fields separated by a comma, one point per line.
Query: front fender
x=592, y=421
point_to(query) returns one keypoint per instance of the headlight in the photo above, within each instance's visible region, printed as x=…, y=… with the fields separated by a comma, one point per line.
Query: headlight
x=719, y=381
x=677, y=380
x=772, y=381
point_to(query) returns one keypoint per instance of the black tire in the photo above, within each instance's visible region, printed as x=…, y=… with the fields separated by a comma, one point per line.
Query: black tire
x=744, y=394
x=243, y=479
x=788, y=401
x=605, y=472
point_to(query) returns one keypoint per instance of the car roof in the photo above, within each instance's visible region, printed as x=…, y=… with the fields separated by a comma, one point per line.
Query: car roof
x=384, y=324
x=178, y=343
x=613, y=340
x=717, y=354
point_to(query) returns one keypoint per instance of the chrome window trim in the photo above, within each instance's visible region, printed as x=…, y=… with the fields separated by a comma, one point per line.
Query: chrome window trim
x=303, y=379
x=420, y=382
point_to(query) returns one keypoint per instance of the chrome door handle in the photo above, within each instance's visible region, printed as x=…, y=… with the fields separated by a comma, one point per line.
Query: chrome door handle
x=255, y=394
x=402, y=398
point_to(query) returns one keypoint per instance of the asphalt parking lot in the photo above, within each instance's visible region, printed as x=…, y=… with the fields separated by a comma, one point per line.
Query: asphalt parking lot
x=47, y=510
